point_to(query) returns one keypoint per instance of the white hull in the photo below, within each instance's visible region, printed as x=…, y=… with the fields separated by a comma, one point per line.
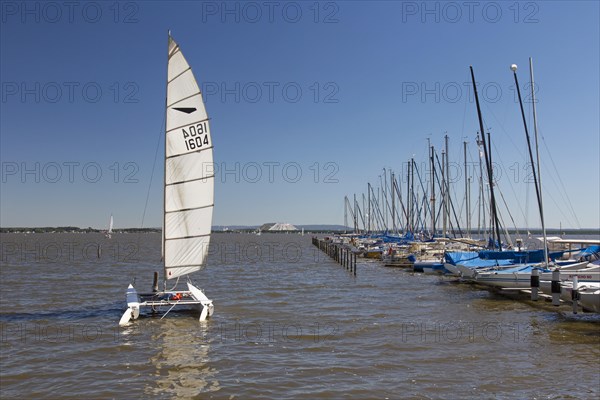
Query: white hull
x=166, y=300
x=452, y=268
x=523, y=279
x=589, y=293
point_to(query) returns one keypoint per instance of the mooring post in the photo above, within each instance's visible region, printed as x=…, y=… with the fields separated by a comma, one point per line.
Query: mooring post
x=555, y=287
x=347, y=259
x=575, y=293
x=535, y=283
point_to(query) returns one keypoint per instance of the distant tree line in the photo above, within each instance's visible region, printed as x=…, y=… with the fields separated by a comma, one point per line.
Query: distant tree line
x=73, y=229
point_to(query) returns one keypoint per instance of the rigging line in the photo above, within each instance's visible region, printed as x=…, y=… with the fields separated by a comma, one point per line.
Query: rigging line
x=511, y=217
x=450, y=205
x=512, y=188
x=465, y=114
x=505, y=231
x=564, y=190
x=175, y=285
x=523, y=213
x=169, y=310
x=474, y=181
x=501, y=126
x=428, y=208
x=451, y=190
x=559, y=208
x=160, y=134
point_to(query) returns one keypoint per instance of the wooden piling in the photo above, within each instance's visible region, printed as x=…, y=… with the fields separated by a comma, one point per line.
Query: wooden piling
x=338, y=253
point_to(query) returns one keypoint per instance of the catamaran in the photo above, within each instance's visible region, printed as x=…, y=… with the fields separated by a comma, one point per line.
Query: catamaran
x=188, y=195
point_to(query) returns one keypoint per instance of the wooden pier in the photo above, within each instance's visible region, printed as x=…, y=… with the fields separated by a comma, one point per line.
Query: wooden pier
x=339, y=252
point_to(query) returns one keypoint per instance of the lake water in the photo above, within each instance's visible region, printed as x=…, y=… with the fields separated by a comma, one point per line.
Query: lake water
x=289, y=323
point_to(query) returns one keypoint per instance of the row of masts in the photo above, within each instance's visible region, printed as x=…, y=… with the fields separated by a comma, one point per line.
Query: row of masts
x=409, y=203
x=420, y=202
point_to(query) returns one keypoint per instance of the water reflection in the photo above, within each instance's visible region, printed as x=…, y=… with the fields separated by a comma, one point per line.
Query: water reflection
x=182, y=364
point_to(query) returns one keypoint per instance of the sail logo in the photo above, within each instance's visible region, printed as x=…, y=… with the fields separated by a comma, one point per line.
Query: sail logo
x=186, y=110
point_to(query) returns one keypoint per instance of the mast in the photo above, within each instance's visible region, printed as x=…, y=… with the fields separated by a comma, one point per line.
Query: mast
x=535, y=180
x=412, y=194
x=365, y=209
x=345, y=212
x=488, y=162
x=537, y=152
x=432, y=166
x=408, y=200
x=447, y=188
x=444, y=204
x=392, y=182
x=355, y=216
x=164, y=219
x=384, y=200
x=467, y=190
x=369, y=203
x=481, y=207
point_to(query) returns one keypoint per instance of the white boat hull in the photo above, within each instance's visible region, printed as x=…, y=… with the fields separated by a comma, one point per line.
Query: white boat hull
x=523, y=279
x=193, y=297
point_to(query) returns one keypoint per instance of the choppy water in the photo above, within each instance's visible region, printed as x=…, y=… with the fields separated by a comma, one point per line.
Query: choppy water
x=288, y=323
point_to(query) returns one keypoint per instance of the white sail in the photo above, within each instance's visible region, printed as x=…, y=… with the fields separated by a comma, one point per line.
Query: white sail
x=110, y=225
x=189, y=176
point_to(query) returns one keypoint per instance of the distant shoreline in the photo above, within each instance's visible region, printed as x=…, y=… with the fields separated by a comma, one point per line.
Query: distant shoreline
x=320, y=229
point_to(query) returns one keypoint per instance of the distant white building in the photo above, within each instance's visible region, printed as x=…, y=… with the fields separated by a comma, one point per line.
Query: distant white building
x=279, y=226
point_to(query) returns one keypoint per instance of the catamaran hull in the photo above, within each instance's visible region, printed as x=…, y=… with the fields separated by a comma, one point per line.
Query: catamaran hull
x=166, y=301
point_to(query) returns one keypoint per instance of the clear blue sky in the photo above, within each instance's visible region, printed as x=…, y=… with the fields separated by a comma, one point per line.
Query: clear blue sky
x=342, y=88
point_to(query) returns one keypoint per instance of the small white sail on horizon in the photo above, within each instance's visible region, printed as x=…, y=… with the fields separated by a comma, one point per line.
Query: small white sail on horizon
x=110, y=227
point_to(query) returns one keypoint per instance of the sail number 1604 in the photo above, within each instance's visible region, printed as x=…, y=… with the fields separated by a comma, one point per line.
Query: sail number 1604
x=195, y=136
